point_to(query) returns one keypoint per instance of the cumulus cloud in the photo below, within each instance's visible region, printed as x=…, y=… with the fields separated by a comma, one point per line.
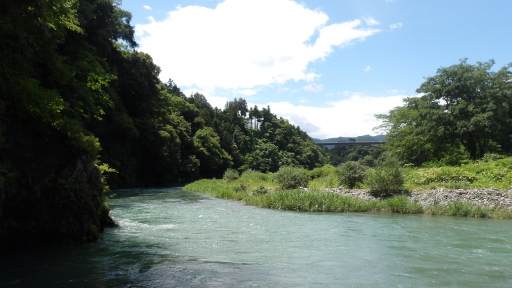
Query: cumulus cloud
x=243, y=44
x=367, y=68
x=147, y=7
x=349, y=117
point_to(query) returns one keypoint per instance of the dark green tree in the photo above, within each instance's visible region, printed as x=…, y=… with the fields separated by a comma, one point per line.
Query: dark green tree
x=212, y=158
x=475, y=102
x=55, y=81
x=464, y=106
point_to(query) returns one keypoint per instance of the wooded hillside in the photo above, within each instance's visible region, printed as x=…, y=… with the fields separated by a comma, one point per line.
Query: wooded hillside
x=77, y=99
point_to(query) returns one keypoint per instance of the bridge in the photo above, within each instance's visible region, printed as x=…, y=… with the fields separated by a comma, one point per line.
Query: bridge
x=350, y=143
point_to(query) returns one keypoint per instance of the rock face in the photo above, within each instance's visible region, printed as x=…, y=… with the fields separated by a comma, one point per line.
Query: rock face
x=486, y=197
x=68, y=209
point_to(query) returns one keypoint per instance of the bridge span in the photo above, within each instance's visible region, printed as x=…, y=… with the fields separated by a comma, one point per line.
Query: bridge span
x=350, y=143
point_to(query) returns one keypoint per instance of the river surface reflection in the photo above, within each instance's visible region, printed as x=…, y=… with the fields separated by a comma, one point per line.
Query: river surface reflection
x=171, y=238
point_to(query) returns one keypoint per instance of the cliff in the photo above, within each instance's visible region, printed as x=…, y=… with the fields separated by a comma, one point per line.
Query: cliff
x=68, y=208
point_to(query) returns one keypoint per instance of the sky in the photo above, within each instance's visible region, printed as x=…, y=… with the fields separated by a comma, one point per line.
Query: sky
x=327, y=66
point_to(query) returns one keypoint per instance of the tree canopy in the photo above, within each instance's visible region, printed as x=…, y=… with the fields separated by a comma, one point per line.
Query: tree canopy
x=464, y=110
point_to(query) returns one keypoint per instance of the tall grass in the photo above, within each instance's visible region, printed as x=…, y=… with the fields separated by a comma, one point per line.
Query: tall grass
x=310, y=201
x=216, y=188
x=401, y=204
x=301, y=200
x=262, y=190
x=466, y=209
x=478, y=174
x=328, y=181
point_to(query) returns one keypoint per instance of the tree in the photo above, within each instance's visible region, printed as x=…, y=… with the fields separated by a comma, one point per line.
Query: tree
x=264, y=157
x=213, y=159
x=474, y=103
x=464, y=106
x=415, y=131
x=351, y=173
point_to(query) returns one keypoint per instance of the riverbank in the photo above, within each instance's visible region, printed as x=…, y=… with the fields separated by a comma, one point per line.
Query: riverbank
x=478, y=203
x=490, y=197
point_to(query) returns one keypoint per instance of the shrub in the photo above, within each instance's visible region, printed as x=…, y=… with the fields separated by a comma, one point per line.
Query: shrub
x=489, y=157
x=323, y=171
x=385, y=180
x=255, y=176
x=240, y=188
x=330, y=181
x=351, y=173
x=260, y=190
x=231, y=174
x=291, y=177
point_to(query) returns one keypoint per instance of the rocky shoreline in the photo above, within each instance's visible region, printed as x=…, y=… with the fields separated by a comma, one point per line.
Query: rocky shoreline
x=486, y=197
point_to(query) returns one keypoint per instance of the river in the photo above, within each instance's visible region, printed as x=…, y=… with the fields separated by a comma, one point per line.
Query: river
x=171, y=238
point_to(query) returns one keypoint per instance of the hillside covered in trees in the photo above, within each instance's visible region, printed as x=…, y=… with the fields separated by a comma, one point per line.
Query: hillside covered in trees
x=81, y=108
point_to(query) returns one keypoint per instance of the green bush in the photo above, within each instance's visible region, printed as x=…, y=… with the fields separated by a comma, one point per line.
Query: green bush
x=291, y=177
x=260, y=190
x=385, y=180
x=351, y=173
x=329, y=181
x=231, y=174
x=255, y=176
x=489, y=157
x=239, y=188
x=323, y=171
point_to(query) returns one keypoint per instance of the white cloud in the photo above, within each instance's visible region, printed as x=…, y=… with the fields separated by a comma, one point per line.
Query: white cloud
x=247, y=92
x=367, y=68
x=396, y=25
x=370, y=21
x=353, y=116
x=147, y=7
x=243, y=44
x=315, y=88
x=395, y=91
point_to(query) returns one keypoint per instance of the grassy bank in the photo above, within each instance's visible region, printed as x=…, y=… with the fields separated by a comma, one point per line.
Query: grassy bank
x=300, y=200
x=261, y=190
x=478, y=174
x=485, y=173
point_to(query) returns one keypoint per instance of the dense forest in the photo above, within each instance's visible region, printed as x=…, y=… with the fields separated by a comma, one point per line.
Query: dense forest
x=82, y=109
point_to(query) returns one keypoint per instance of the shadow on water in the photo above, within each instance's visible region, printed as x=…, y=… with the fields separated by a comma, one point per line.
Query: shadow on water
x=169, y=194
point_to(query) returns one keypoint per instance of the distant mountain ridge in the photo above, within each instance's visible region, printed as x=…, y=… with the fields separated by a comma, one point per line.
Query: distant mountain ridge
x=358, y=138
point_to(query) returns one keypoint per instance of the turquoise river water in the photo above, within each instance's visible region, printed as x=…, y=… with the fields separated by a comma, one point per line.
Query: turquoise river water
x=171, y=238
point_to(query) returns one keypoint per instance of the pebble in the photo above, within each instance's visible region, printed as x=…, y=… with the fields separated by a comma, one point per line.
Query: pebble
x=487, y=197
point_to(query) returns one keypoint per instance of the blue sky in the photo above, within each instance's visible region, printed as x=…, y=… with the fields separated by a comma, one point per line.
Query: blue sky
x=327, y=66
